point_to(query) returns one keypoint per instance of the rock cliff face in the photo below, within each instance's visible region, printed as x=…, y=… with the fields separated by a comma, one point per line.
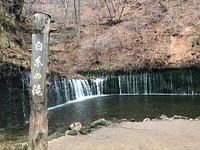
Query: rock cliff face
x=150, y=34
x=184, y=48
x=15, y=34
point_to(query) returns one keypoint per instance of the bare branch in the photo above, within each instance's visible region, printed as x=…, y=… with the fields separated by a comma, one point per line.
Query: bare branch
x=66, y=5
x=115, y=9
x=109, y=10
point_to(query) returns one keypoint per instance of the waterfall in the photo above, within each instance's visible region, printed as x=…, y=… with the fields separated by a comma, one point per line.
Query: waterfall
x=81, y=87
x=15, y=97
x=99, y=85
x=120, y=87
x=169, y=82
x=25, y=80
x=15, y=89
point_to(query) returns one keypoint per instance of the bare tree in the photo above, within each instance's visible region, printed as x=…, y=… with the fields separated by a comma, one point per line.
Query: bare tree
x=109, y=9
x=79, y=23
x=66, y=6
x=77, y=16
x=115, y=9
x=77, y=13
x=28, y=9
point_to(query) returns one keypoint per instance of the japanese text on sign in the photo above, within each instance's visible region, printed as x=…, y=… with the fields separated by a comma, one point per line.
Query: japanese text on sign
x=38, y=62
x=39, y=46
x=37, y=89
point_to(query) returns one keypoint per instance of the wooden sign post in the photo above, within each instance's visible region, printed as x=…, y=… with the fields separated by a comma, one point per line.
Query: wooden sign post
x=38, y=129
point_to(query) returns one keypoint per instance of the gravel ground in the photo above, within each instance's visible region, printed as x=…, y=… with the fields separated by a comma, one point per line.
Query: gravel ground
x=151, y=135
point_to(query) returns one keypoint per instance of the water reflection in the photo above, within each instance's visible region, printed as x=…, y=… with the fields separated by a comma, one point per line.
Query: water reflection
x=124, y=106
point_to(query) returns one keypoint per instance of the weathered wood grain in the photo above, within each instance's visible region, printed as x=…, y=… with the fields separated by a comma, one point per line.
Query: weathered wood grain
x=38, y=129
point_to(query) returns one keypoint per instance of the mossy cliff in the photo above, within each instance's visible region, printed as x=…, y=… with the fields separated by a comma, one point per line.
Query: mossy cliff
x=14, y=34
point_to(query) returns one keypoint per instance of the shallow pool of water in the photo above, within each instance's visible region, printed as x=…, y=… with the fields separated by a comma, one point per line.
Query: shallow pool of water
x=124, y=106
x=111, y=107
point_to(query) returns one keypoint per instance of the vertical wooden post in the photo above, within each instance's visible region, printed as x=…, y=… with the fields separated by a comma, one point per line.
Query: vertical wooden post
x=38, y=129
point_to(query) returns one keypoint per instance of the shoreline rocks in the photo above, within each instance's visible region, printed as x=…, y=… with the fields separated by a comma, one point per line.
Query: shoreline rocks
x=100, y=122
x=179, y=117
x=164, y=117
x=78, y=128
x=146, y=119
x=74, y=129
x=75, y=126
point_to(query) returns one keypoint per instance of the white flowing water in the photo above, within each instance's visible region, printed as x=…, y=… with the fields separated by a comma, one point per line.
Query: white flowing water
x=15, y=89
x=181, y=82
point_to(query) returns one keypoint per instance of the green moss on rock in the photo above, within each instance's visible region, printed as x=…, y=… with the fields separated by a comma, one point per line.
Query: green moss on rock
x=100, y=122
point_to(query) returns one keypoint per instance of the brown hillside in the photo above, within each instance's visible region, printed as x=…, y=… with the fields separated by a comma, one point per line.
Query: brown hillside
x=151, y=34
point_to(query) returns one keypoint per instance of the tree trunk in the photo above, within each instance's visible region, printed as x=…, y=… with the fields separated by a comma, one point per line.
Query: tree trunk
x=78, y=23
x=66, y=5
x=38, y=129
x=77, y=12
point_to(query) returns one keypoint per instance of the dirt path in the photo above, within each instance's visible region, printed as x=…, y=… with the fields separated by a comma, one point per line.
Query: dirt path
x=153, y=135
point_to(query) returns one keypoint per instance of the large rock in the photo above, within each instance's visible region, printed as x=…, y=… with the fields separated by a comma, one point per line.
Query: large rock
x=100, y=122
x=85, y=130
x=75, y=126
x=71, y=132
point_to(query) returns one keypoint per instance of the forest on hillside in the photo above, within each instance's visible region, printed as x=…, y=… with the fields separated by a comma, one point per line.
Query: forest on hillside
x=105, y=35
x=110, y=59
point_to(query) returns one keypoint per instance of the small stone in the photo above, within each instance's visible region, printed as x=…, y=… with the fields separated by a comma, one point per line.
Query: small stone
x=164, y=117
x=2, y=129
x=18, y=147
x=179, y=117
x=100, y=122
x=122, y=120
x=191, y=119
x=75, y=126
x=197, y=118
x=71, y=132
x=146, y=119
x=85, y=130
x=132, y=120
